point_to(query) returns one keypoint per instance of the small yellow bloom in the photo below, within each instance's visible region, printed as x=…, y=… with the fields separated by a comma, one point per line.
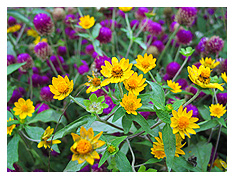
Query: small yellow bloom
x=86, y=22
x=61, y=87
x=117, y=71
x=224, y=76
x=10, y=128
x=111, y=149
x=217, y=110
x=46, y=135
x=208, y=62
x=93, y=83
x=38, y=39
x=145, y=63
x=84, y=146
x=135, y=84
x=125, y=9
x=13, y=28
x=130, y=103
x=24, y=108
x=32, y=33
x=201, y=77
x=219, y=163
x=175, y=87
x=183, y=122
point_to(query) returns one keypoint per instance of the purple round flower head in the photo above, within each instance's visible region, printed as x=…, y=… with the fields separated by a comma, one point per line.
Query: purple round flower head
x=167, y=77
x=84, y=41
x=67, y=31
x=42, y=108
x=211, y=11
x=145, y=114
x=174, y=25
x=95, y=55
x=22, y=90
x=45, y=80
x=161, y=22
x=85, y=169
x=73, y=35
x=99, y=92
x=201, y=45
x=222, y=98
x=121, y=13
x=54, y=60
x=42, y=50
x=151, y=36
x=15, y=96
x=24, y=57
x=214, y=45
x=46, y=94
x=83, y=68
x=110, y=104
x=147, y=22
x=135, y=23
x=154, y=28
x=193, y=108
x=69, y=19
x=10, y=59
x=222, y=67
x=186, y=15
x=99, y=61
x=36, y=70
x=140, y=13
x=197, y=64
x=108, y=23
x=205, y=16
x=158, y=43
x=183, y=83
x=184, y=37
x=43, y=24
x=172, y=68
x=11, y=21
x=193, y=90
x=62, y=50
x=89, y=49
x=36, y=80
x=54, y=153
x=105, y=35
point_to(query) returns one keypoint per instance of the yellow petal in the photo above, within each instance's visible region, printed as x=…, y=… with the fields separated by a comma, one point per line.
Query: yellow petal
x=83, y=132
x=40, y=144
x=98, y=144
x=89, y=159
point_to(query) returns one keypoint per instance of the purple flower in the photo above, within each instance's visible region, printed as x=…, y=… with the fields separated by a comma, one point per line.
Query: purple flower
x=214, y=45
x=167, y=77
x=36, y=80
x=10, y=59
x=85, y=169
x=100, y=92
x=83, y=68
x=46, y=94
x=42, y=108
x=145, y=114
x=222, y=98
x=69, y=19
x=84, y=41
x=11, y=21
x=174, y=43
x=151, y=36
x=186, y=15
x=222, y=67
x=193, y=90
x=99, y=61
x=183, y=83
x=24, y=57
x=105, y=35
x=15, y=96
x=96, y=169
x=44, y=80
x=158, y=43
x=140, y=13
x=193, y=108
x=42, y=50
x=62, y=50
x=54, y=60
x=164, y=38
x=110, y=103
x=89, y=49
x=154, y=28
x=135, y=23
x=108, y=23
x=201, y=45
x=211, y=11
x=174, y=25
x=95, y=54
x=184, y=36
x=54, y=153
x=146, y=23
x=36, y=70
x=161, y=22
x=43, y=24
x=121, y=13
x=172, y=68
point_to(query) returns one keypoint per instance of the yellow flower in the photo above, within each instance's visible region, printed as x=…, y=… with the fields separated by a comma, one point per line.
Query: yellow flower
x=145, y=63
x=86, y=22
x=38, y=39
x=84, y=146
x=158, y=147
x=10, y=128
x=61, y=87
x=13, y=28
x=183, y=122
x=46, y=135
x=201, y=77
x=135, y=84
x=93, y=83
x=175, y=87
x=217, y=110
x=24, y=108
x=32, y=33
x=208, y=62
x=117, y=71
x=125, y=9
x=219, y=163
x=224, y=76
x=130, y=103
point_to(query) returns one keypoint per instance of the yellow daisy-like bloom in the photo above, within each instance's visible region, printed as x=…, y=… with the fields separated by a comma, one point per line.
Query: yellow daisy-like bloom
x=61, y=87
x=10, y=128
x=38, y=39
x=86, y=22
x=175, y=87
x=158, y=147
x=46, y=135
x=208, y=62
x=183, y=122
x=84, y=146
x=135, y=84
x=125, y=9
x=24, y=108
x=32, y=33
x=117, y=71
x=13, y=28
x=224, y=76
x=145, y=63
x=217, y=110
x=201, y=77
x=219, y=163
x=130, y=103
x=93, y=83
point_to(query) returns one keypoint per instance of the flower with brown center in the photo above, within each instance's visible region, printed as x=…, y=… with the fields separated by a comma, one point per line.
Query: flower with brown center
x=145, y=63
x=217, y=110
x=130, y=103
x=208, y=62
x=24, y=108
x=93, y=83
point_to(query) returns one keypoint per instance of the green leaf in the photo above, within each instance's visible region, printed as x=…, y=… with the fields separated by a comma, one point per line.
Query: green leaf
x=118, y=140
x=120, y=112
x=73, y=166
x=152, y=160
x=206, y=125
x=151, y=170
x=96, y=30
x=103, y=158
x=142, y=44
x=100, y=99
x=177, y=104
x=12, y=122
x=86, y=36
x=163, y=115
x=96, y=45
x=9, y=115
x=12, y=151
x=34, y=132
x=221, y=120
x=93, y=98
x=181, y=164
x=126, y=123
x=13, y=67
x=142, y=168
x=169, y=141
x=200, y=23
x=146, y=108
x=122, y=162
x=10, y=49
x=10, y=90
x=117, y=92
x=204, y=112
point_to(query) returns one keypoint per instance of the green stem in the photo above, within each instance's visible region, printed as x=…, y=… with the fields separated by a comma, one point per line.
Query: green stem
x=152, y=77
x=130, y=34
x=31, y=85
x=215, y=97
x=65, y=40
x=182, y=66
x=193, y=98
x=73, y=99
x=177, y=53
x=113, y=31
x=121, y=90
x=28, y=137
x=142, y=27
x=53, y=68
x=79, y=11
x=133, y=156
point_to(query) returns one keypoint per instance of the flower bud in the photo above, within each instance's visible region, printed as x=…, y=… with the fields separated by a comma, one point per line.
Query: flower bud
x=43, y=50
x=58, y=14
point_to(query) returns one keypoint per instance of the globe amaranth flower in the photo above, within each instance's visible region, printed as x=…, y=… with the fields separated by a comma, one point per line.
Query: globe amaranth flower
x=172, y=68
x=54, y=59
x=183, y=83
x=58, y=13
x=125, y=9
x=224, y=76
x=135, y=84
x=36, y=80
x=69, y=19
x=184, y=36
x=85, y=145
x=222, y=98
x=154, y=28
x=62, y=50
x=42, y=50
x=201, y=77
x=43, y=24
x=24, y=108
x=13, y=28
x=110, y=104
x=105, y=35
x=10, y=128
x=100, y=61
x=44, y=139
x=135, y=23
x=46, y=94
x=11, y=21
x=10, y=59
x=86, y=22
x=82, y=68
x=202, y=45
x=24, y=57
x=89, y=49
x=193, y=108
x=175, y=87
x=93, y=83
x=214, y=45
x=61, y=87
x=183, y=122
x=217, y=110
x=140, y=13
x=145, y=63
x=41, y=107
x=186, y=15
x=167, y=77
x=130, y=103
x=117, y=71
x=208, y=62
x=158, y=43
x=158, y=147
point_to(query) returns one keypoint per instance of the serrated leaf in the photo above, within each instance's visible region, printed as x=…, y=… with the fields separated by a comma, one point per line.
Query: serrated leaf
x=73, y=166
x=34, y=132
x=12, y=151
x=96, y=30
x=122, y=162
x=120, y=112
x=206, y=125
x=13, y=67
